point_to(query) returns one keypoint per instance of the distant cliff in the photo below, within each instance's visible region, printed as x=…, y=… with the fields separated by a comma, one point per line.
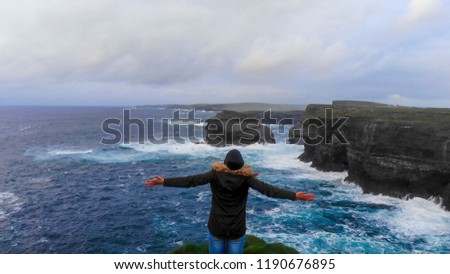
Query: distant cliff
x=392, y=150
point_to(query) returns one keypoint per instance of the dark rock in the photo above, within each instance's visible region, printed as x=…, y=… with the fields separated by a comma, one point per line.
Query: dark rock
x=446, y=197
x=392, y=150
x=236, y=128
x=327, y=157
x=295, y=134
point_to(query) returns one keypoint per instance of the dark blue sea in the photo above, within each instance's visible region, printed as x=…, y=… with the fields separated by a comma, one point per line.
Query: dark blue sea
x=62, y=191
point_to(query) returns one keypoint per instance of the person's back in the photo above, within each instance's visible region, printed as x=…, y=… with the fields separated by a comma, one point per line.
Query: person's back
x=229, y=200
x=229, y=184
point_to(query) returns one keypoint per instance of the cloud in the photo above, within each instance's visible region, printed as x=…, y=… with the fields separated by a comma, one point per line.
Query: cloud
x=105, y=41
x=137, y=51
x=419, y=11
x=158, y=42
x=397, y=99
x=272, y=56
x=289, y=56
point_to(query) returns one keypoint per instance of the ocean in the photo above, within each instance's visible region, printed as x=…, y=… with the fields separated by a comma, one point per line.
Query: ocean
x=63, y=191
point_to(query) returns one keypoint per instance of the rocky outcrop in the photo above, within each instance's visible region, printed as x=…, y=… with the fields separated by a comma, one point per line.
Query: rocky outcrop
x=397, y=151
x=236, y=128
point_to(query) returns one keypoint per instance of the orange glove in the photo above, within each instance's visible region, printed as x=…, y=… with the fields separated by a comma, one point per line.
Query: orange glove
x=155, y=181
x=304, y=196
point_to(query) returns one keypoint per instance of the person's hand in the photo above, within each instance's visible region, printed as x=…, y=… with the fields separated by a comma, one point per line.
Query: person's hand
x=304, y=196
x=155, y=181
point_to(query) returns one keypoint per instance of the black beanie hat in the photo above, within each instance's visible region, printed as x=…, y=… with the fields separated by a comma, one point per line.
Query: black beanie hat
x=234, y=160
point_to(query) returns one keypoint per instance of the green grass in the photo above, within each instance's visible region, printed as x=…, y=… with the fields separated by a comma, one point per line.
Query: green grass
x=253, y=245
x=387, y=113
x=241, y=107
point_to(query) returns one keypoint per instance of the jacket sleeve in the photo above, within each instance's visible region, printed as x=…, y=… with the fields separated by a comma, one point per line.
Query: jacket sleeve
x=190, y=181
x=270, y=190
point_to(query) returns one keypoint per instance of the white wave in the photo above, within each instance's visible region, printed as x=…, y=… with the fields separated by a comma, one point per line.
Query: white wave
x=202, y=124
x=260, y=156
x=419, y=216
x=43, y=240
x=414, y=218
x=57, y=152
x=170, y=148
x=275, y=211
x=9, y=203
x=23, y=128
x=277, y=157
x=201, y=196
x=153, y=151
x=48, y=154
x=308, y=172
x=140, y=249
x=3, y=215
x=250, y=211
x=410, y=217
x=285, y=157
x=40, y=180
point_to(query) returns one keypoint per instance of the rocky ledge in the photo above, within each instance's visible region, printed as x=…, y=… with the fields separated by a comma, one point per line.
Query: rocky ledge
x=392, y=150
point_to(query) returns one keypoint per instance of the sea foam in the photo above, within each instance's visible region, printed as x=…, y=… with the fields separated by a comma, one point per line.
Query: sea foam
x=9, y=204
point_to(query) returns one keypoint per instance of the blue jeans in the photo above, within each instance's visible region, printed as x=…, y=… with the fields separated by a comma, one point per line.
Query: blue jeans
x=230, y=246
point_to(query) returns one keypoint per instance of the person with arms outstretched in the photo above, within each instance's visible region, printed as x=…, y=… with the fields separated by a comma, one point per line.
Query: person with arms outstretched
x=229, y=183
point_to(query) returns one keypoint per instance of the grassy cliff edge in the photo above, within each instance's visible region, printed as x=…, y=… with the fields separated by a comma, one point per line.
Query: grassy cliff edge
x=253, y=245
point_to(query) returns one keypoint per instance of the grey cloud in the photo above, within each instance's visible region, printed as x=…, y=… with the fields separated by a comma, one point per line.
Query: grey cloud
x=140, y=50
x=101, y=41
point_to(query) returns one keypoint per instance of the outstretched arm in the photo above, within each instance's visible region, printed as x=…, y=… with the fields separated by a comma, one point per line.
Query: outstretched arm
x=276, y=192
x=188, y=181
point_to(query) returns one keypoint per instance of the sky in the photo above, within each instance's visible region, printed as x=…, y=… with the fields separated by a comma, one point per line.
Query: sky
x=139, y=52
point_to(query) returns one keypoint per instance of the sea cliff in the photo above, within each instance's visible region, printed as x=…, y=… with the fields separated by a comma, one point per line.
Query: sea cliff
x=392, y=150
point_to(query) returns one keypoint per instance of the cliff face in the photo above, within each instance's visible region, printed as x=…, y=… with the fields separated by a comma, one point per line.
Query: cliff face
x=391, y=150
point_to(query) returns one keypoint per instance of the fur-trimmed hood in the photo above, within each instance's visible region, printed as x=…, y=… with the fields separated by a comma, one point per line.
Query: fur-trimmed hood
x=244, y=171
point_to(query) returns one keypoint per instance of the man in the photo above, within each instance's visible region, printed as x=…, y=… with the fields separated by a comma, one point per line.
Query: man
x=229, y=183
